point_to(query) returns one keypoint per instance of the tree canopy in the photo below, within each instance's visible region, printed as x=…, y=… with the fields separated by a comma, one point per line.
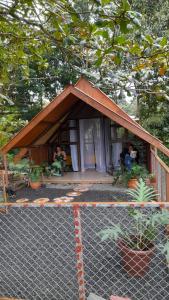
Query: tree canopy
x=122, y=45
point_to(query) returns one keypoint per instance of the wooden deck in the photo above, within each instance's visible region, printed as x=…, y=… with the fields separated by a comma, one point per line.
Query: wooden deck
x=80, y=177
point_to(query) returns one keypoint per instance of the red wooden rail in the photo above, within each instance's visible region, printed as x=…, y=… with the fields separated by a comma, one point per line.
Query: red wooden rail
x=161, y=172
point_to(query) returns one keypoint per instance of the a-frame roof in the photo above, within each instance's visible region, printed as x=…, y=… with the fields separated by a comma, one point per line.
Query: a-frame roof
x=60, y=106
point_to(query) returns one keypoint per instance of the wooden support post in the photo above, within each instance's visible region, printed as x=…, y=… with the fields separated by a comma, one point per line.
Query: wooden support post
x=149, y=158
x=167, y=199
x=79, y=252
x=167, y=186
x=156, y=172
x=4, y=186
x=6, y=169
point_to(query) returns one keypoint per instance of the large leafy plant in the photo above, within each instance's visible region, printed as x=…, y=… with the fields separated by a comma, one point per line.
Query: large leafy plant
x=35, y=173
x=144, y=225
x=136, y=172
x=142, y=193
x=22, y=167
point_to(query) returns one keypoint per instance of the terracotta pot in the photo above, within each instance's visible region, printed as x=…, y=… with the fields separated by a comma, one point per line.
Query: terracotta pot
x=35, y=185
x=132, y=183
x=153, y=180
x=136, y=263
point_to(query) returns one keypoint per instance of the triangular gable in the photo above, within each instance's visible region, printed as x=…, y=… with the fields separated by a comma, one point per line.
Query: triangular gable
x=88, y=88
x=86, y=92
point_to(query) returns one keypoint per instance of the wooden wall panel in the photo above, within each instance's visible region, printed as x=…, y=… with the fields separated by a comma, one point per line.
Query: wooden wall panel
x=39, y=154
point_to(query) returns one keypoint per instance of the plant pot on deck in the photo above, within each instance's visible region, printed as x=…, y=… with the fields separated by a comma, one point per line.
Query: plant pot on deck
x=132, y=183
x=136, y=262
x=35, y=176
x=35, y=185
x=152, y=179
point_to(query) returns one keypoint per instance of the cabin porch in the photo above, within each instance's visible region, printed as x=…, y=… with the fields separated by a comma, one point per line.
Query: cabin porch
x=89, y=176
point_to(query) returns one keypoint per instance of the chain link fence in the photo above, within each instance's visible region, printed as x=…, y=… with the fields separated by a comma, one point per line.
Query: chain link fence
x=60, y=252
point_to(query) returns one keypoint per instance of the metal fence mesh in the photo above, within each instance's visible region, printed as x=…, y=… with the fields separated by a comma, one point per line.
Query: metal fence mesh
x=38, y=255
x=104, y=270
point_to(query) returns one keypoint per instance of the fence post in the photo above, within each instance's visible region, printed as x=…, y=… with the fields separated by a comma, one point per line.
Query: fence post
x=167, y=198
x=167, y=186
x=79, y=252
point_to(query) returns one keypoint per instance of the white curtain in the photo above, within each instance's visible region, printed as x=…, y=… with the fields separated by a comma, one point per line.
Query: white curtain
x=73, y=148
x=116, y=150
x=74, y=157
x=107, y=129
x=92, y=145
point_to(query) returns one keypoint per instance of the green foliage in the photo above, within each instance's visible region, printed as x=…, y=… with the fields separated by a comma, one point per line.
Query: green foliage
x=136, y=172
x=57, y=167
x=35, y=173
x=165, y=250
x=9, y=124
x=145, y=225
x=121, y=45
x=142, y=193
x=22, y=167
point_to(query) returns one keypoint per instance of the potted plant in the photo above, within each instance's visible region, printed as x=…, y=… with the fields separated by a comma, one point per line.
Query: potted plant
x=46, y=169
x=152, y=179
x=136, y=244
x=35, y=174
x=132, y=176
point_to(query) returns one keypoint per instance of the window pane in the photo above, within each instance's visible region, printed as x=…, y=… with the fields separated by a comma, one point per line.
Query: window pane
x=120, y=132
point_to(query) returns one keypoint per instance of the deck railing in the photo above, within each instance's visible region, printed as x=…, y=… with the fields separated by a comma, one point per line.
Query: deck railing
x=53, y=251
x=161, y=172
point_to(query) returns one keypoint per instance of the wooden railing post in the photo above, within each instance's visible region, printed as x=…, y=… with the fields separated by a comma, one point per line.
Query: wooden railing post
x=167, y=186
x=6, y=169
x=79, y=252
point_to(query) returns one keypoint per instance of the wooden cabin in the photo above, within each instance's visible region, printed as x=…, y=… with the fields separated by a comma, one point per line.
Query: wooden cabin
x=92, y=129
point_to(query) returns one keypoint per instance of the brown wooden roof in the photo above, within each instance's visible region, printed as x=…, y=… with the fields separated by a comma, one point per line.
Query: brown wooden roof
x=61, y=105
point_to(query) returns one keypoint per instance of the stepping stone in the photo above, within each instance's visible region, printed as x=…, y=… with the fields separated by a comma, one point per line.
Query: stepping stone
x=81, y=189
x=95, y=297
x=22, y=200
x=118, y=298
x=73, y=194
x=41, y=200
x=63, y=199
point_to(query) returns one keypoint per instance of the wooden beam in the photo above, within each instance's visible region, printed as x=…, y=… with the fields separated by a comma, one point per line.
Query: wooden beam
x=42, y=133
x=48, y=122
x=37, y=119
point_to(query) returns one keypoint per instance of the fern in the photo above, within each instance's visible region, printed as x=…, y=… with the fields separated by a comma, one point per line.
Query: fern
x=142, y=193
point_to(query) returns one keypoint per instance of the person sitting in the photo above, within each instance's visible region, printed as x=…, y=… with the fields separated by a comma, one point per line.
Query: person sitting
x=129, y=156
x=59, y=158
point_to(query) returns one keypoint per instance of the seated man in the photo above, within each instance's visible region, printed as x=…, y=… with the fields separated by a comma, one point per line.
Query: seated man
x=129, y=156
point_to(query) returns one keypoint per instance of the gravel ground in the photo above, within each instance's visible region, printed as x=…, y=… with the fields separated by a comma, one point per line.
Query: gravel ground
x=95, y=187
x=90, y=195
x=37, y=256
